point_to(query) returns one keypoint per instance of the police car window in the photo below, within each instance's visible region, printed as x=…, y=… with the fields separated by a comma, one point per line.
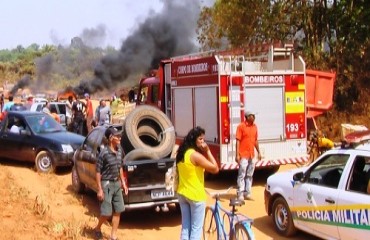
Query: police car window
x=360, y=175
x=328, y=171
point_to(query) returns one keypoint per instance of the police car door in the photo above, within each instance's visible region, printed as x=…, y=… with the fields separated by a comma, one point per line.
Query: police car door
x=315, y=198
x=353, y=212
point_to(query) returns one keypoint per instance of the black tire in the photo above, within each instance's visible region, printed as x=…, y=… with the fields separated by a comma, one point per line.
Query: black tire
x=282, y=218
x=148, y=128
x=241, y=233
x=273, y=169
x=44, y=162
x=140, y=154
x=209, y=226
x=77, y=185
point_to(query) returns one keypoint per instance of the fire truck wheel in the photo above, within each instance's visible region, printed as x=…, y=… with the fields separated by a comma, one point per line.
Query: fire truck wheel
x=273, y=169
x=140, y=154
x=148, y=128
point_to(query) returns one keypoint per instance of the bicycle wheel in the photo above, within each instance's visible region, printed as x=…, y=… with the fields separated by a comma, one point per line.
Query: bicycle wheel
x=209, y=226
x=243, y=231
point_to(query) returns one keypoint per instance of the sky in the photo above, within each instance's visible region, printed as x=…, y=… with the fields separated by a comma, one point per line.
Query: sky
x=144, y=31
x=98, y=22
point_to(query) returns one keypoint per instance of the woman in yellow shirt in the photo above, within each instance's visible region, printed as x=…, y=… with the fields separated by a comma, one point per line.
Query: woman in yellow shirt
x=193, y=157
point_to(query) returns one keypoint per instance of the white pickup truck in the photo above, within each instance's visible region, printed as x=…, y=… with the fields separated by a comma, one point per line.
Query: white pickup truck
x=329, y=199
x=60, y=108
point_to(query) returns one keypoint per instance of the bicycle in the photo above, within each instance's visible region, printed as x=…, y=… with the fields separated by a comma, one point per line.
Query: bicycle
x=222, y=224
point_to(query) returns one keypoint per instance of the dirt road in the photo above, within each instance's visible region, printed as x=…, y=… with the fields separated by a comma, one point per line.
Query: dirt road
x=36, y=206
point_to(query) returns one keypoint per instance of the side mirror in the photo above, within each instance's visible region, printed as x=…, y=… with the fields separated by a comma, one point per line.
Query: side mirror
x=299, y=176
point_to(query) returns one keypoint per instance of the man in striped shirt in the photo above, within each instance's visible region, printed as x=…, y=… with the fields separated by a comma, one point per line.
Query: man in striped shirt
x=110, y=180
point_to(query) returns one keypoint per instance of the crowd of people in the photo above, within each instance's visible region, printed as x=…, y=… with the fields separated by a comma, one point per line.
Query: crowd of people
x=81, y=115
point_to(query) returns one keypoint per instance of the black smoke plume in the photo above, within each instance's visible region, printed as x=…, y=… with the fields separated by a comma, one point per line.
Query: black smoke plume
x=23, y=82
x=160, y=36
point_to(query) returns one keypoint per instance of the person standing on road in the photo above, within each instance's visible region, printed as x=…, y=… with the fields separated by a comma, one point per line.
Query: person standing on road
x=193, y=157
x=110, y=181
x=89, y=112
x=69, y=104
x=102, y=113
x=78, y=117
x=246, y=142
x=97, y=111
x=29, y=102
x=46, y=108
x=9, y=104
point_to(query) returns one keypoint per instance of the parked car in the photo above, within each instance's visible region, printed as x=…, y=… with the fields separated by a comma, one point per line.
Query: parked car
x=144, y=170
x=38, y=138
x=60, y=107
x=330, y=198
x=39, y=100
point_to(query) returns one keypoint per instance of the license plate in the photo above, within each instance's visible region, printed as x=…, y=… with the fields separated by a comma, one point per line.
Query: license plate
x=161, y=193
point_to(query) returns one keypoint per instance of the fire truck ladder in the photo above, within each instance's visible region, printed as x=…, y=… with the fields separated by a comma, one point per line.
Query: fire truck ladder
x=266, y=57
x=233, y=66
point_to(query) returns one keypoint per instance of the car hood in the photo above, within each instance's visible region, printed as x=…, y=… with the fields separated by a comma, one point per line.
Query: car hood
x=64, y=137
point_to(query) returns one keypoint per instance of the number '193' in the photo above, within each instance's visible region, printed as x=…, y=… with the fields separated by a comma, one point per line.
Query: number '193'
x=292, y=127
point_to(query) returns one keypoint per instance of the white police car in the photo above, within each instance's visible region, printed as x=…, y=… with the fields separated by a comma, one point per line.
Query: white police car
x=330, y=198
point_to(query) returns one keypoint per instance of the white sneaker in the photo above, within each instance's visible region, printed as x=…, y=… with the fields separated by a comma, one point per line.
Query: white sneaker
x=240, y=197
x=248, y=197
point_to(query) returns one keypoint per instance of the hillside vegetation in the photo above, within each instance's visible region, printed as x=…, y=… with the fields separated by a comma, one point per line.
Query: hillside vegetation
x=329, y=35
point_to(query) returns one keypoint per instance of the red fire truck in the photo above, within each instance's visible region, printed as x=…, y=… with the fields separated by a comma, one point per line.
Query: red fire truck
x=213, y=90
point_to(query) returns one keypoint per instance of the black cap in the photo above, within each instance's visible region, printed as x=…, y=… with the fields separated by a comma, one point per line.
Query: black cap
x=112, y=132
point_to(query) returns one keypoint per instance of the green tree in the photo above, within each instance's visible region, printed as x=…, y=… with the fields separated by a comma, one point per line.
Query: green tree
x=330, y=34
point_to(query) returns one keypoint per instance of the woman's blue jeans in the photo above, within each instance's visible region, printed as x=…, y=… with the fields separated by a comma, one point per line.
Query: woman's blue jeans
x=192, y=216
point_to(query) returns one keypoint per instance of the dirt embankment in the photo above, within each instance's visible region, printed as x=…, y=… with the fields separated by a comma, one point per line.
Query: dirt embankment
x=38, y=206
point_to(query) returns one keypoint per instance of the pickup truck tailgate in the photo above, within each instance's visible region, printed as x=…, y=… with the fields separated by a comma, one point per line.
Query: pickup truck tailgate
x=146, y=181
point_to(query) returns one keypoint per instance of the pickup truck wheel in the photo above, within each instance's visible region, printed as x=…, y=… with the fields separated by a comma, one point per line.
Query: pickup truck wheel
x=148, y=128
x=44, y=162
x=77, y=185
x=140, y=154
x=282, y=218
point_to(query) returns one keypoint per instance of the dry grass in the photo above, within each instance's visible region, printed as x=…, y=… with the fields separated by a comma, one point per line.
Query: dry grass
x=72, y=229
x=40, y=206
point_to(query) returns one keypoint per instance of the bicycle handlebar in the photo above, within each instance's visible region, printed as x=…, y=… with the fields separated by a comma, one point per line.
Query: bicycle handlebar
x=219, y=193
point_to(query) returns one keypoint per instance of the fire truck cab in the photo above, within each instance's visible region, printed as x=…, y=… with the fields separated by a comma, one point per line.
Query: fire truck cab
x=213, y=90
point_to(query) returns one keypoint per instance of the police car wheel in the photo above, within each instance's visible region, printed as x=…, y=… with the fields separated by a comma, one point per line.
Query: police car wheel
x=282, y=218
